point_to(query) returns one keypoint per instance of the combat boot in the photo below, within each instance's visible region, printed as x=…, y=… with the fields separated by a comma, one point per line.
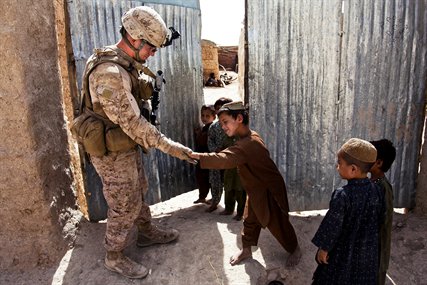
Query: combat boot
x=117, y=262
x=150, y=234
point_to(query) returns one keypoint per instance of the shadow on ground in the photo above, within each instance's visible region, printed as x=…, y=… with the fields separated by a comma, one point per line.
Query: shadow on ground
x=200, y=256
x=207, y=240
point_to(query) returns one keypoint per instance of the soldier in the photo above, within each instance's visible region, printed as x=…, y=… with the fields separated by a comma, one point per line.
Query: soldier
x=116, y=87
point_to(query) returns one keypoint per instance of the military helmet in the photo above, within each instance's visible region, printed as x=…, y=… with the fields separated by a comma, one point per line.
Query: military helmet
x=145, y=23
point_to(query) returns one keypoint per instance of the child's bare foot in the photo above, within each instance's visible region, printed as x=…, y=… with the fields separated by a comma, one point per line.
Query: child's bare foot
x=200, y=201
x=294, y=258
x=241, y=255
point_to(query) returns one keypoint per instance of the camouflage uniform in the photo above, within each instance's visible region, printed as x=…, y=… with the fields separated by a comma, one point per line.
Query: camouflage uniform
x=110, y=88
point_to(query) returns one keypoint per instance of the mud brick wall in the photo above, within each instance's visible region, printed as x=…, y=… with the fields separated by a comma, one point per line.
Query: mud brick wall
x=37, y=200
x=209, y=59
x=227, y=57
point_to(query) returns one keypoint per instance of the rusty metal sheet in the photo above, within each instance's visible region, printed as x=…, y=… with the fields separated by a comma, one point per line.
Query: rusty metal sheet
x=321, y=72
x=383, y=82
x=293, y=79
x=97, y=23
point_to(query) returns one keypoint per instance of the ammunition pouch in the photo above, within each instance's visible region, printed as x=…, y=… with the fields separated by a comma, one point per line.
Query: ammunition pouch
x=98, y=135
x=89, y=131
x=117, y=140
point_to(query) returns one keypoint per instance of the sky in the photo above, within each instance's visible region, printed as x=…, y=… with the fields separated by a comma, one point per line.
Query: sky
x=222, y=21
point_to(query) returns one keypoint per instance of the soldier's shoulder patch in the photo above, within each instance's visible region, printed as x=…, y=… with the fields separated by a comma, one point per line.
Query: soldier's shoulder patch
x=108, y=74
x=107, y=93
x=112, y=68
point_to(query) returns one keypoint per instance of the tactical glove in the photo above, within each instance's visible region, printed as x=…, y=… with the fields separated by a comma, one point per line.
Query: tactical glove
x=181, y=152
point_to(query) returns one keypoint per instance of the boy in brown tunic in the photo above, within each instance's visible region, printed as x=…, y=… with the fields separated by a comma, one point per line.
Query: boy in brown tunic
x=267, y=202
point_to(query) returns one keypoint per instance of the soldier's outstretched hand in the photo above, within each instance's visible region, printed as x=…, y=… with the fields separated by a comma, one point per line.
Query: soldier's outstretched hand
x=182, y=152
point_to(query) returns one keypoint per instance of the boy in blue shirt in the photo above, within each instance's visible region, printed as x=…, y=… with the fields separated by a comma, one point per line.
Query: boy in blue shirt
x=347, y=238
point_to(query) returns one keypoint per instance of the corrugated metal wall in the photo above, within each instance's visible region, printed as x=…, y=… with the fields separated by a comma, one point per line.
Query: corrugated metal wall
x=383, y=82
x=321, y=72
x=96, y=24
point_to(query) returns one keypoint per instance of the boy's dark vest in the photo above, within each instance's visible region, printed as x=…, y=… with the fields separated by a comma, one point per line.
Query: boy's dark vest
x=92, y=128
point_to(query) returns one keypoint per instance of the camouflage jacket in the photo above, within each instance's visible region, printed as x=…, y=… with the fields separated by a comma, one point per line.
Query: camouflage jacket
x=113, y=95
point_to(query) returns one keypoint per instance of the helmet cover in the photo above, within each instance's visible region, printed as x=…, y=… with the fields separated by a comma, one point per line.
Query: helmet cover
x=145, y=23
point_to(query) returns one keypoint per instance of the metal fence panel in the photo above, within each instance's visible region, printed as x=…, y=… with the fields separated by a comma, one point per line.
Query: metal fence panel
x=293, y=78
x=313, y=85
x=96, y=23
x=383, y=82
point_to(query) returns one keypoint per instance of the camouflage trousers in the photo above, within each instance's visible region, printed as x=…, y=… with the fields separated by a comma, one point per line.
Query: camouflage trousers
x=124, y=185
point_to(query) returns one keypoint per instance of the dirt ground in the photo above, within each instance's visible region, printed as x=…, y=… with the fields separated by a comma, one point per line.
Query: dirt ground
x=207, y=240
x=231, y=91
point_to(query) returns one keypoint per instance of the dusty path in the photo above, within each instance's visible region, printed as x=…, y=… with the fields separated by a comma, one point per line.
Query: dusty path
x=200, y=256
x=231, y=91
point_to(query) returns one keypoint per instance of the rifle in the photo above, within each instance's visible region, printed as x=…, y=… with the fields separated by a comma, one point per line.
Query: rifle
x=155, y=100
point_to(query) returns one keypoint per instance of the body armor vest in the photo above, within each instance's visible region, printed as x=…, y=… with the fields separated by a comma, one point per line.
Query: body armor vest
x=92, y=127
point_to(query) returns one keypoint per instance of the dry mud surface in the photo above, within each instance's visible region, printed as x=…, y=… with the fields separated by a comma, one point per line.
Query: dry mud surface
x=207, y=240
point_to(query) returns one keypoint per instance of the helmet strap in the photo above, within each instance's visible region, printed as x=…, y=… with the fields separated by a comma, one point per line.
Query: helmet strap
x=135, y=50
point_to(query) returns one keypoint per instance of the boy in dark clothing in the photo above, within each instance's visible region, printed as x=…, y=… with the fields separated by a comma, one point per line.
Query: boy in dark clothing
x=347, y=238
x=233, y=190
x=267, y=202
x=386, y=153
x=207, y=116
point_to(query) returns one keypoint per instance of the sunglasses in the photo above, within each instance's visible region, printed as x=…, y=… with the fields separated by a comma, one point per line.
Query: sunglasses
x=153, y=49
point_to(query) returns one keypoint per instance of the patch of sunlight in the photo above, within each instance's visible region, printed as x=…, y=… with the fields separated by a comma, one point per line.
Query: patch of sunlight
x=309, y=213
x=391, y=280
x=402, y=211
x=60, y=272
x=229, y=240
x=231, y=244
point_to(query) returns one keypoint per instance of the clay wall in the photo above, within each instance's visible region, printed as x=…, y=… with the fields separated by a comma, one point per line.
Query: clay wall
x=36, y=175
x=228, y=57
x=209, y=59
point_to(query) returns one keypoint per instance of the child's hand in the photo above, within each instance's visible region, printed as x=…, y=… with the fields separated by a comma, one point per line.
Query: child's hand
x=194, y=155
x=322, y=256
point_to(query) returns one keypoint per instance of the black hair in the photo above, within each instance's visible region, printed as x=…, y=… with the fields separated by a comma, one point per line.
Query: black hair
x=364, y=166
x=221, y=101
x=210, y=108
x=386, y=152
x=235, y=113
